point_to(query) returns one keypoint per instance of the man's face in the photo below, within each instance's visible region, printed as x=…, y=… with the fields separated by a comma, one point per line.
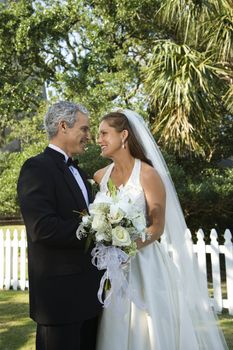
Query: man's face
x=77, y=136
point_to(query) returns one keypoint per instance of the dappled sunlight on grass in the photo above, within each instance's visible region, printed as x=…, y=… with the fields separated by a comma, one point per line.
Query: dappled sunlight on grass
x=17, y=330
x=226, y=324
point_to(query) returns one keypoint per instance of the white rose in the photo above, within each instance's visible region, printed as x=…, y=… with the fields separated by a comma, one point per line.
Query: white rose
x=116, y=214
x=99, y=222
x=120, y=236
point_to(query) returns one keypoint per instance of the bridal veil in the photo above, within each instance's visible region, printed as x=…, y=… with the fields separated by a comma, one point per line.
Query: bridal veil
x=178, y=243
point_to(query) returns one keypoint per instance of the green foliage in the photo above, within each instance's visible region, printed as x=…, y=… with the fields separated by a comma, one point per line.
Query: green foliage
x=188, y=75
x=22, y=79
x=33, y=141
x=178, y=80
x=8, y=195
x=208, y=199
x=205, y=193
x=169, y=60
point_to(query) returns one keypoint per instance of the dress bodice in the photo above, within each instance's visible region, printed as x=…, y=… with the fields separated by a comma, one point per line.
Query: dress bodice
x=132, y=189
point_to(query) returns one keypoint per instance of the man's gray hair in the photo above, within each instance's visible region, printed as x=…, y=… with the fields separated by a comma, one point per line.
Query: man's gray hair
x=62, y=111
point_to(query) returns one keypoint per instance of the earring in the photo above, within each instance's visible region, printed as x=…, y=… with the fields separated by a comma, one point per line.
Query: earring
x=123, y=144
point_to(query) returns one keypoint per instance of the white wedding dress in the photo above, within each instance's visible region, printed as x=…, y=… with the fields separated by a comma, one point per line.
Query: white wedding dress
x=166, y=323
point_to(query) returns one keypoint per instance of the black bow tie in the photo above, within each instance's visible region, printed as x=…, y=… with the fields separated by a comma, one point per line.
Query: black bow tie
x=72, y=162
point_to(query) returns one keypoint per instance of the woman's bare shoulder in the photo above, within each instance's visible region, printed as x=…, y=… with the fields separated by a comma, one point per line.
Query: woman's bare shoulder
x=150, y=174
x=147, y=170
x=99, y=174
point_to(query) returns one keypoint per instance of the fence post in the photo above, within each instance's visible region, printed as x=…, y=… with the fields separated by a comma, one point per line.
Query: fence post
x=189, y=241
x=216, y=271
x=201, y=254
x=229, y=269
x=1, y=259
x=22, y=245
x=8, y=260
x=15, y=261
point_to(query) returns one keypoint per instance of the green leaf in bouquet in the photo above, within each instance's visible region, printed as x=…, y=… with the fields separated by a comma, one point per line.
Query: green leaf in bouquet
x=89, y=239
x=112, y=189
x=107, y=285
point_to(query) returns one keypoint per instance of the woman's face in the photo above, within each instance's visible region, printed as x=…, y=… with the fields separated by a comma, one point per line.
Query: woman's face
x=109, y=139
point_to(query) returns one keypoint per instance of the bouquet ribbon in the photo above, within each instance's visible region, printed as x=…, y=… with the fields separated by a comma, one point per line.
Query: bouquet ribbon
x=112, y=259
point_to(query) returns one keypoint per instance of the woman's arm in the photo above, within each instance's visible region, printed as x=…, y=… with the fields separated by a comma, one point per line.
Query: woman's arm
x=155, y=196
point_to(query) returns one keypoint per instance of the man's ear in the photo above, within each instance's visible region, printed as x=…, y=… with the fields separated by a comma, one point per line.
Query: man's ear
x=63, y=126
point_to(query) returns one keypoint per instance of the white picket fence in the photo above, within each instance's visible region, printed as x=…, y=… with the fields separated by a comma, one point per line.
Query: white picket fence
x=13, y=260
x=13, y=264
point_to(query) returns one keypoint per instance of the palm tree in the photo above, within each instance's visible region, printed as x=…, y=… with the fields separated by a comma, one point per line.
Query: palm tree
x=189, y=76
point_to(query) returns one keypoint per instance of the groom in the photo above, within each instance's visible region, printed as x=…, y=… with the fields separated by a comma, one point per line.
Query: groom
x=52, y=190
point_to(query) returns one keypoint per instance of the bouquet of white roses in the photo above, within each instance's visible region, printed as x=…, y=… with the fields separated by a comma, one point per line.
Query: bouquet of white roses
x=113, y=223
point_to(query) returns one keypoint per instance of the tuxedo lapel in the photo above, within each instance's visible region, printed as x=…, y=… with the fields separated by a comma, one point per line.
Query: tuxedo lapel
x=68, y=177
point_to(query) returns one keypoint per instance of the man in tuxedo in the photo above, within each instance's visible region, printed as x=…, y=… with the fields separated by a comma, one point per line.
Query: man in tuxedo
x=63, y=283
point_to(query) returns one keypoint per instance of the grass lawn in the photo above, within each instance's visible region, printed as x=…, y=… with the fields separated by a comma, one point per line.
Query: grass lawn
x=17, y=331
x=226, y=324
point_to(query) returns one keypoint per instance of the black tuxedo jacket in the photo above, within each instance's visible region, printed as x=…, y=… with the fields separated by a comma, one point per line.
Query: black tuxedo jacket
x=63, y=283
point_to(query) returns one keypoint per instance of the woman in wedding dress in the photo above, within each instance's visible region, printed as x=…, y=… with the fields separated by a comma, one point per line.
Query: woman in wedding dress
x=177, y=314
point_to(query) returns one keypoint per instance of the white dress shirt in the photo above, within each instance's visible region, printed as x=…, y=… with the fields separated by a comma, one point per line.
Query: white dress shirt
x=74, y=171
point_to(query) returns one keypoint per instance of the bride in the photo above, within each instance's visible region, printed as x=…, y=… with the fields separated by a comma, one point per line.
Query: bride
x=177, y=313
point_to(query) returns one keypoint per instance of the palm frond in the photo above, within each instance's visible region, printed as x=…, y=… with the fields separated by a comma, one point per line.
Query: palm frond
x=228, y=98
x=183, y=86
x=200, y=24
x=184, y=18
x=219, y=36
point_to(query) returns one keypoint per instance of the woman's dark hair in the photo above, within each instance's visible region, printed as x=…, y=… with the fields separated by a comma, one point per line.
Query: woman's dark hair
x=120, y=122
